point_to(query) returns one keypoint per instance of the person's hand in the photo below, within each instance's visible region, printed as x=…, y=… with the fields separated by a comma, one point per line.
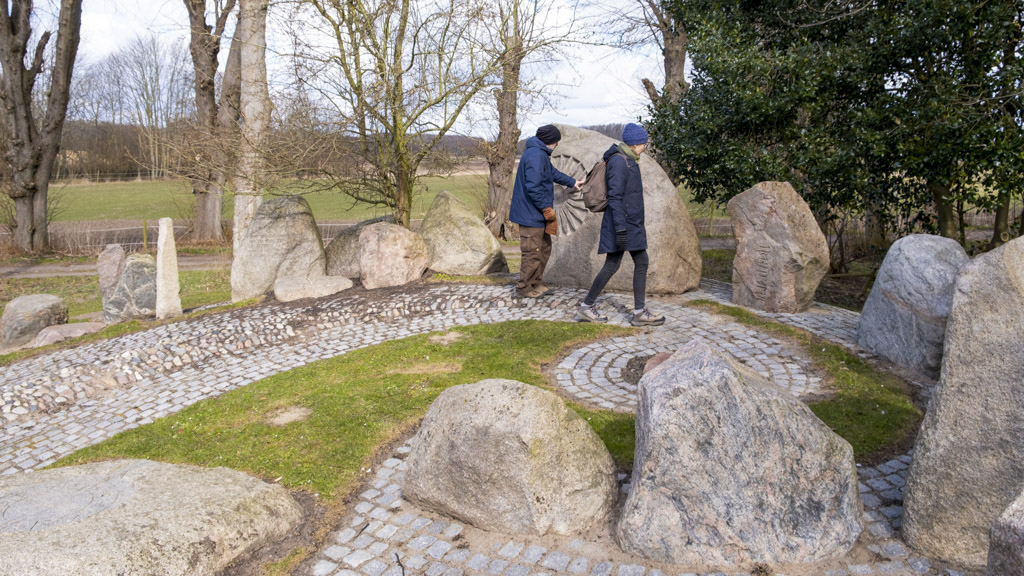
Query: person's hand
x=579, y=184
x=620, y=240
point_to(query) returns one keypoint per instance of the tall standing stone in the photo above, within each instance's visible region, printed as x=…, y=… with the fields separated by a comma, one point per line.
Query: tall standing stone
x=671, y=238
x=781, y=253
x=282, y=240
x=904, y=318
x=969, y=457
x=109, y=267
x=732, y=469
x=458, y=240
x=168, y=290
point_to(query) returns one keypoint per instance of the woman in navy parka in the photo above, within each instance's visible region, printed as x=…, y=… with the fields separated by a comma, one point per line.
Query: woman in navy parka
x=622, y=228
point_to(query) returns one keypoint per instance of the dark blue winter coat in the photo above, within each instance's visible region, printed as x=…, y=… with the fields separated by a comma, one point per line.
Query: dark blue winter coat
x=625, y=209
x=534, y=189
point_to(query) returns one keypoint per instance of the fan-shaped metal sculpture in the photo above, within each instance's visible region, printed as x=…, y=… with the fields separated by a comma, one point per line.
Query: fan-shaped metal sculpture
x=569, y=207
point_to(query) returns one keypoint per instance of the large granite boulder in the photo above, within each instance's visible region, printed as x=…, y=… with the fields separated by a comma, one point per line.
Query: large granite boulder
x=25, y=316
x=731, y=469
x=512, y=458
x=343, y=252
x=671, y=238
x=282, y=240
x=137, y=517
x=781, y=253
x=135, y=295
x=109, y=267
x=1006, y=547
x=904, y=318
x=458, y=240
x=390, y=255
x=292, y=288
x=168, y=289
x=969, y=457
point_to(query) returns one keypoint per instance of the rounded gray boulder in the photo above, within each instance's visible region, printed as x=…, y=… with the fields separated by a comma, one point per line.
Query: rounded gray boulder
x=25, y=316
x=458, y=240
x=137, y=517
x=512, y=458
x=904, y=318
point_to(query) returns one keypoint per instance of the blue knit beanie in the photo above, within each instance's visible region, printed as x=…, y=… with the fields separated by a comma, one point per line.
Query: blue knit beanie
x=634, y=134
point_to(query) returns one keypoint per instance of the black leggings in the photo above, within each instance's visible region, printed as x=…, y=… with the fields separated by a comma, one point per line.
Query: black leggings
x=611, y=266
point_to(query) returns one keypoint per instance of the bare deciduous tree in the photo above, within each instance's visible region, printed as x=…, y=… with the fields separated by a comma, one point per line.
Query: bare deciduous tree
x=518, y=32
x=212, y=123
x=400, y=73
x=33, y=147
x=254, y=100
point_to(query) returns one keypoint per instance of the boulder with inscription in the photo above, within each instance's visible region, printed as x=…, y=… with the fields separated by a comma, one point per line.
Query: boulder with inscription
x=283, y=240
x=671, y=237
x=731, y=469
x=137, y=517
x=25, y=316
x=343, y=251
x=904, y=318
x=135, y=295
x=168, y=290
x=1006, y=548
x=781, y=253
x=968, y=461
x=511, y=458
x=458, y=240
x=390, y=255
x=109, y=267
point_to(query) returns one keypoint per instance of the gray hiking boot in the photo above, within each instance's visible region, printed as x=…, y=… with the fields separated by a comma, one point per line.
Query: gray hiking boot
x=645, y=318
x=589, y=314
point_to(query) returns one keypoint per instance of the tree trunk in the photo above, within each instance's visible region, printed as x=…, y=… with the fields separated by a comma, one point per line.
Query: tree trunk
x=675, y=42
x=32, y=149
x=204, y=46
x=1001, y=227
x=255, y=113
x=943, y=208
x=501, y=157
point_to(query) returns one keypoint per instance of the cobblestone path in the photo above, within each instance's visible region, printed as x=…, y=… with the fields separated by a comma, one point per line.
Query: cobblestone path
x=55, y=404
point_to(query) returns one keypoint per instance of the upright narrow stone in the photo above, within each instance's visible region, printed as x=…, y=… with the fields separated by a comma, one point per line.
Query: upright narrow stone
x=109, y=267
x=168, y=297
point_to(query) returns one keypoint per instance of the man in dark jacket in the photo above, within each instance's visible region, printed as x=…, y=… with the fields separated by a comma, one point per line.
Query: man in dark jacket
x=623, y=229
x=533, y=208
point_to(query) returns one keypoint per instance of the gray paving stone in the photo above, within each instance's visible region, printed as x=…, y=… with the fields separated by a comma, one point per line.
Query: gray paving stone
x=420, y=543
x=437, y=569
x=323, y=568
x=357, y=558
x=578, y=566
x=533, y=554
x=478, y=562
x=497, y=566
x=556, y=561
x=374, y=567
x=510, y=550
x=602, y=569
x=457, y=555
x=336, y=553
x=416, y=562
x=439, y=549
x=517, y=570
x=631, y=570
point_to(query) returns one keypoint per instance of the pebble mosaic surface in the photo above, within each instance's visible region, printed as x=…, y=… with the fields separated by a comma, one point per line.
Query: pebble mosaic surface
x=54, y=404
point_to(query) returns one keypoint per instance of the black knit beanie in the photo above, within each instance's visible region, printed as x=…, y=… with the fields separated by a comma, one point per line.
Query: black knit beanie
x=548, y=134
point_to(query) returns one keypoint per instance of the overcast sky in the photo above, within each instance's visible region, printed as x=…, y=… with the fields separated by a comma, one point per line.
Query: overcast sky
x=599, y=86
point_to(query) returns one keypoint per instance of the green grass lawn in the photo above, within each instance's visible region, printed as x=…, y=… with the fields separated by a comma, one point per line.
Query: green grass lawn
x=358, y=402
x=152, y=200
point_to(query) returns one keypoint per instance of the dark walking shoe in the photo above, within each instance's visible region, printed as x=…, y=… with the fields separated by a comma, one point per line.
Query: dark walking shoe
x=589, y=314
x=645, y=318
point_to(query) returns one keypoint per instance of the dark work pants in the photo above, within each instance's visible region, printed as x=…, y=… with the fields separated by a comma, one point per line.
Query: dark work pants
x=611, y=266
x=535, y=246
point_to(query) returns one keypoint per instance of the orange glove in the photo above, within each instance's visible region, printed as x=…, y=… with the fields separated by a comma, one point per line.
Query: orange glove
x=551, y=228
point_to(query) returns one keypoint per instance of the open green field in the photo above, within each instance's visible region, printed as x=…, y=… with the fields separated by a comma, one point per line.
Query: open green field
x=151, y=200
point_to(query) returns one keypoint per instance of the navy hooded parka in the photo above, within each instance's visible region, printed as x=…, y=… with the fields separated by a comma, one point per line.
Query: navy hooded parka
x=625, y=209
